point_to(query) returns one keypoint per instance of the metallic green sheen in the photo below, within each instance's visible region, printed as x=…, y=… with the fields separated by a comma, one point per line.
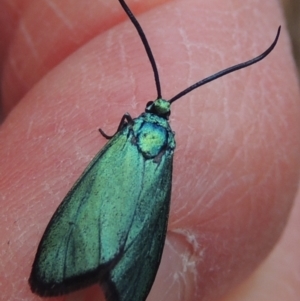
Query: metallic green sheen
x=110, y=228
x=161, y=106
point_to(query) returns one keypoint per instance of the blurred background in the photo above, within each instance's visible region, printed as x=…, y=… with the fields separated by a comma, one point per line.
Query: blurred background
x=292, y=13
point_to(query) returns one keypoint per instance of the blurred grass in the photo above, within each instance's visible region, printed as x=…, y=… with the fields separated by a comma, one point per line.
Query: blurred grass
x=292, y=14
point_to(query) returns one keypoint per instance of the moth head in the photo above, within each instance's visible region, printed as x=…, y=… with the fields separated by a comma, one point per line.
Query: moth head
x=159, y=107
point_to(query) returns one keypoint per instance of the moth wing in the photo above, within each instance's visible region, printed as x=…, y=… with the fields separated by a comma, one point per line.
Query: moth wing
x=87, y=233
x=133, y=276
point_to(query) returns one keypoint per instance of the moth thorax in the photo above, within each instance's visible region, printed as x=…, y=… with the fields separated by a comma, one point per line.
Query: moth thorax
x=151, y=139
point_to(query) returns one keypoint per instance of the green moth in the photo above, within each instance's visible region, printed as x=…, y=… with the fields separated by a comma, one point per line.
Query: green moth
x=110, y=228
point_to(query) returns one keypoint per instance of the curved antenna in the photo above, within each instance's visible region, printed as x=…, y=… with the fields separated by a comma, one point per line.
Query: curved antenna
x=146, y=45
x=228, y=70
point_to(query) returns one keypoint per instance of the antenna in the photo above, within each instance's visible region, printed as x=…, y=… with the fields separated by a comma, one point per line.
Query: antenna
x=146, y=45
x=201, y=82
x=227, y=70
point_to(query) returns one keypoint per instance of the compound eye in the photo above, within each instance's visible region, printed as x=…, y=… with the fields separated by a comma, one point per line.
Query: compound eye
x=149, y=106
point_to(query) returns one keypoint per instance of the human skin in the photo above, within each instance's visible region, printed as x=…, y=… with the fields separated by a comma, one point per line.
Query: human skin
x=69, y=69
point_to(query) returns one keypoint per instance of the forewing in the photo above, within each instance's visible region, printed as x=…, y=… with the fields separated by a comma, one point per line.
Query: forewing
x=133, y=276
x=90, y=228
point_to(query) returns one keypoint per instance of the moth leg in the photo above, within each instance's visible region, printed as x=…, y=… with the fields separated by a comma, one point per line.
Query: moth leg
x=126, y=119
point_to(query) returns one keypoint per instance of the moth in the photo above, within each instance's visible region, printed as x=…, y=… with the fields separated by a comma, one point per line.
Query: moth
x=111, y=227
